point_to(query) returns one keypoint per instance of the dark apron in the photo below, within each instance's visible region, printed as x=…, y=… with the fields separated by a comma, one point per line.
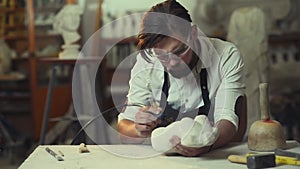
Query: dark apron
x=170, y=115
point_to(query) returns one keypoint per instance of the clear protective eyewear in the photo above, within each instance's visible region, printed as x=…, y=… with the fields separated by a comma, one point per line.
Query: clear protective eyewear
x=165, y=57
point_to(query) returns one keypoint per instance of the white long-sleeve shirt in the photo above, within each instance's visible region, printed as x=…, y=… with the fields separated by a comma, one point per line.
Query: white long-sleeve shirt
x=224, y=65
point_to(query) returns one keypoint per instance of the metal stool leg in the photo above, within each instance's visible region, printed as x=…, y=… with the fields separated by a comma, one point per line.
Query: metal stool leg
x=48, y=106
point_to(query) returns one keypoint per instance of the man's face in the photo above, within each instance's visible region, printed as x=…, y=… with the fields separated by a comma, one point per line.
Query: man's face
x=176, y=56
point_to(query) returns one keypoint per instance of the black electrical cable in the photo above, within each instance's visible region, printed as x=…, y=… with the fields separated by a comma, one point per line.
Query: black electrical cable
x=101, y=114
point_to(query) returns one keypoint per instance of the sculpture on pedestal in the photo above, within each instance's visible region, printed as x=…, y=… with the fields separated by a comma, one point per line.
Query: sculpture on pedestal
x=248, y=31
x=66, y=22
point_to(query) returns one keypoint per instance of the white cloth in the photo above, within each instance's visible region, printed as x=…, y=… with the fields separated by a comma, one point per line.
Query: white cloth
x=224, y=65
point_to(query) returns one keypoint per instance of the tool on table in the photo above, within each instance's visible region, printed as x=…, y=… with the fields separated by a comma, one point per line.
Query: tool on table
x=254, y=161
x=280, y=152
x=264, y=160
x=61, y=153
x=287, y=160
x=51, y=152
x=287, y=157
x=265, y=134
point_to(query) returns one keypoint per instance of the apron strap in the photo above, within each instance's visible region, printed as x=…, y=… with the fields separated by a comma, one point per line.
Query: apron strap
x=165, y=90
x=205, y=93
x=170, y=115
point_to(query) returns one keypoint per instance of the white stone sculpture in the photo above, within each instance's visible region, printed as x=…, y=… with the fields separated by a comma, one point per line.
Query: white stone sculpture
x=67, y=22
x=213, y=20
x=196, y=132
x=248, y=31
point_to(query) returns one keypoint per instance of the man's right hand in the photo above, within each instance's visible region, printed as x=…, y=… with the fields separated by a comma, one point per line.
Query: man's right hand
x=145, y=121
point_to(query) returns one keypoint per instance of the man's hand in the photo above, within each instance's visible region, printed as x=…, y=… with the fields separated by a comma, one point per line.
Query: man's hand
x=187, y=151
x=146, y=121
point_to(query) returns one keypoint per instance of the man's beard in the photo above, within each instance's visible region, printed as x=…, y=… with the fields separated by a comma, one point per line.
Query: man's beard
x=187, y=68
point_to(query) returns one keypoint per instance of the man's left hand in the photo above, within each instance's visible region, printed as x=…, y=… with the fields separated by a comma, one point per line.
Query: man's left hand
x=187, y=151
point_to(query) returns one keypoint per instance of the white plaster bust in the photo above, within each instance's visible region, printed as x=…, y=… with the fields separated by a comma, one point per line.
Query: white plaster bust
x=67, y=22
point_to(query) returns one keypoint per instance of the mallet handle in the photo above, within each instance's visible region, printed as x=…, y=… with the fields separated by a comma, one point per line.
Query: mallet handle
x=264, y=101
x=237, y=159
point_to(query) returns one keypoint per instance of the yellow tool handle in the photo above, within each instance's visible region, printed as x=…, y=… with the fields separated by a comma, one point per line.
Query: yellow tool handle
x=287, y=160
x=279, y=160
x=237, y=159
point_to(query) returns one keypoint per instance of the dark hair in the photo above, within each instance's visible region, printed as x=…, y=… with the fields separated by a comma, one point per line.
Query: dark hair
x=154, y=28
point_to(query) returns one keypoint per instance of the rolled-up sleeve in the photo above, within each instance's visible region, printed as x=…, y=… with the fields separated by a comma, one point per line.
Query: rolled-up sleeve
x=231, y=87
x=139, y=91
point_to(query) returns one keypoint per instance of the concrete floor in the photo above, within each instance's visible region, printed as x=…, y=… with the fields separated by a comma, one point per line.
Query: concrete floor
x=10, y=163
x=5, y=163
x=13, y=157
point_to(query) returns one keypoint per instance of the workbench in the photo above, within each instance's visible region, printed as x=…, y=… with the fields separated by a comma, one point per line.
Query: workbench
x=137, y=157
